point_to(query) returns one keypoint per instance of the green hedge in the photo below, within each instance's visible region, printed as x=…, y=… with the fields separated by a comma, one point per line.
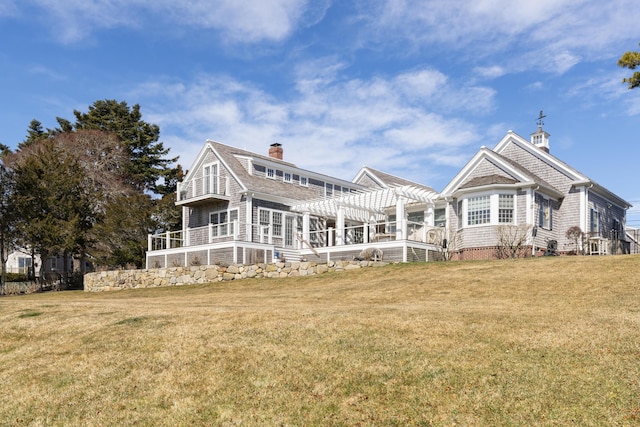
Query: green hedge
x=15, y=277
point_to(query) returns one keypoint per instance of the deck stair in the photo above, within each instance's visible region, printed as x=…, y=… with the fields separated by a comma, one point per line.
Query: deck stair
x=289, y=255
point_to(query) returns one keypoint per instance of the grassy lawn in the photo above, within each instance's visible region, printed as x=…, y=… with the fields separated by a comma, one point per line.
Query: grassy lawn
x=544, y=341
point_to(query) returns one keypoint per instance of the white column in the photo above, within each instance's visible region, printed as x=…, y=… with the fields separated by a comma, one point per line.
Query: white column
x=340, y=227
x=248, y=220
x=306, y=226
x=365, y=232
x=401, y=222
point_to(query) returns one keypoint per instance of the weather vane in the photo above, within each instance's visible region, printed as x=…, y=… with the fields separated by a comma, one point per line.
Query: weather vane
x=540, y=117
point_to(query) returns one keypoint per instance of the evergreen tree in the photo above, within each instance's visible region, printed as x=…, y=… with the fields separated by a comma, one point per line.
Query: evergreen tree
x=631, y=60
x=148, y=156
x=35, y=133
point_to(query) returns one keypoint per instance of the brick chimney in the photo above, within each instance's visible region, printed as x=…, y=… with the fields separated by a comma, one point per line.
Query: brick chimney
x=275, y=151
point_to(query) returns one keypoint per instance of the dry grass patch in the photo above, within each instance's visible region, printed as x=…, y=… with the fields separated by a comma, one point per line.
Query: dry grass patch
x=547, y=341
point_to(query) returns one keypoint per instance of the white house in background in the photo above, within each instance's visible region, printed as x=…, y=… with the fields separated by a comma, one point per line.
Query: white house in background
x=243, y=207
x=21, y=262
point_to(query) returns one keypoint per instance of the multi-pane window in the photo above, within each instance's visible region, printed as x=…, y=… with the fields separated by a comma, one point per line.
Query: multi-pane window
x=505, y=208
x=271, y=220
x=276, y=218
x=223, y=222
x=440, y=217
x=479, y=210
x=210, y=179
x=328, y=190
x=287, y=177
x=303, y=181
x=271, y=173
x=24, y=264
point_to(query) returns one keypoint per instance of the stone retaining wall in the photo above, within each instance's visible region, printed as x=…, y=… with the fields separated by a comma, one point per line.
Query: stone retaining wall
x=176, y=276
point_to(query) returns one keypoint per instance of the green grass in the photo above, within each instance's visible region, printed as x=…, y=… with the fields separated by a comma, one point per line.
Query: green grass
x=544, y=341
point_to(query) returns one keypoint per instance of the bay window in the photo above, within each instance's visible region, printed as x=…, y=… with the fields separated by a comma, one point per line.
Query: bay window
x=479, y=210
x=486, y=209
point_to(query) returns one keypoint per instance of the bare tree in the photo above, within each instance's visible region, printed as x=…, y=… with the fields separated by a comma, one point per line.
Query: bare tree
x=578, y=237
x=512, y=240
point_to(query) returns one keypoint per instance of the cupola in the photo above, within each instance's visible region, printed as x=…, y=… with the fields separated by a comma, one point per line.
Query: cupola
x=540, y=138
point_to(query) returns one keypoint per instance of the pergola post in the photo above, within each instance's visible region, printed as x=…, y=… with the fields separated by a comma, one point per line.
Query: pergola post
x=401, y=222
x=306, y=226
x=340, y=226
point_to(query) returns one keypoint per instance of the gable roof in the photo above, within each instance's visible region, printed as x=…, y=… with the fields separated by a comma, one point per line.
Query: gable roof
x=522, y=177
x=385, y=180
x=578, y=177
x=518, y=177
x=285, y=192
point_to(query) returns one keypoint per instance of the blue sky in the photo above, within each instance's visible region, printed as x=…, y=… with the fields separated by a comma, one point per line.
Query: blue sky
x=410, y=87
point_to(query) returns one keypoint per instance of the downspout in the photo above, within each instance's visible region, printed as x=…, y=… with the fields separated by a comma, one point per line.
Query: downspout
x=533, y=220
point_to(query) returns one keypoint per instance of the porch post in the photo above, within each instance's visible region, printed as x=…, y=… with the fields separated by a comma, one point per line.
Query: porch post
x=248, y=218
x=168, y=240
x=429, y=221
x=365, y=232
x=306, y=226
x=149, y=241
x=401, y=223
x=340, y=227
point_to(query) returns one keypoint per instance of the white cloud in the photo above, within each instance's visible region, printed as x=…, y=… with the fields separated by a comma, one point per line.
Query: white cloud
x=245, y=21
x=552, y=34
x=491, y=72
x=329, y=126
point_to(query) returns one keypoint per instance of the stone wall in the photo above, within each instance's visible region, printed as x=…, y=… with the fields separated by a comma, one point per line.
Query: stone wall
x=176, y=276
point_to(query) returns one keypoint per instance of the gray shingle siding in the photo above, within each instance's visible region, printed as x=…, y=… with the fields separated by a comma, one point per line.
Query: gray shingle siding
x=542, y=169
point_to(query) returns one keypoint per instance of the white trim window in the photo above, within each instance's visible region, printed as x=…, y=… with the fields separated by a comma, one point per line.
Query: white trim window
x=505, y=208
x=287, y=176
x=24, y=264
x=270, y=222
x=440, y=217
x=328, y=190
x=210, y=178
x=487, y=209
x=479, y=210
x=545, y=213
x=304, y=181
x=271, y=173
x=222, y=222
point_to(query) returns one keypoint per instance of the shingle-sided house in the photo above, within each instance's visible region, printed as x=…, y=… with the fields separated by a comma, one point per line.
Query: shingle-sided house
x=519, y=184
x=243, y=207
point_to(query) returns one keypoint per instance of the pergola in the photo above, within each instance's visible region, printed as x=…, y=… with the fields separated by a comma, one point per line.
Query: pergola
x=366, y=207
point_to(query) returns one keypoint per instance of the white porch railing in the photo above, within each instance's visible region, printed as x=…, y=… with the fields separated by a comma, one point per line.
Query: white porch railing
x=329, y=237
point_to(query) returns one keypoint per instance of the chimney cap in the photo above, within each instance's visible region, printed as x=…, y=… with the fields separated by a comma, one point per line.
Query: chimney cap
x=276, y=144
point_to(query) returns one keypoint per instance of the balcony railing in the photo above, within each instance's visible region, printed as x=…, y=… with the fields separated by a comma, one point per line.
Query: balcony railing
x=202, y=188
